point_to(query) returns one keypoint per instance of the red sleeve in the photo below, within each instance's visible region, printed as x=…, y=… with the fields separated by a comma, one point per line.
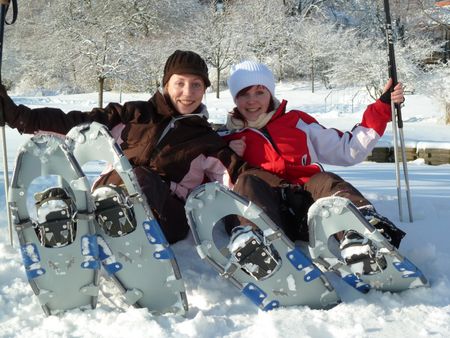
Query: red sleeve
x=377, y=116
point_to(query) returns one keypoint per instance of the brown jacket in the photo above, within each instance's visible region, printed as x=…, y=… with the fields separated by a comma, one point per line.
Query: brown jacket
x=182, y=149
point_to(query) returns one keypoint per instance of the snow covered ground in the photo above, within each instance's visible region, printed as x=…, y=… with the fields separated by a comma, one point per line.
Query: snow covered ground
x=216, y=308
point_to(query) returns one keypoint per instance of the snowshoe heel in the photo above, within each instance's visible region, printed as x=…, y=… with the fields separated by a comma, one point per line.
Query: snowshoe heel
x=114, y=211
x=248, y=250
x=55, y=225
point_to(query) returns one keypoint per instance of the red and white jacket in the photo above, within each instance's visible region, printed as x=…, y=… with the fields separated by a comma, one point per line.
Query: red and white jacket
x=292, y=144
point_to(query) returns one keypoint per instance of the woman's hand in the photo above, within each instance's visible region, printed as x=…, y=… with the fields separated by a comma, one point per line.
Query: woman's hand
x=397, y=95
x=238, y=146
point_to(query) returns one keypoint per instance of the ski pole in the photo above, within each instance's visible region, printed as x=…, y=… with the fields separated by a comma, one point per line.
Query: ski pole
x=3, y=10
x=397, y=122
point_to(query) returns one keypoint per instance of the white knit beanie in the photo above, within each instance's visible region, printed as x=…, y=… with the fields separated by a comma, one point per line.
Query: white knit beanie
x=250, y=73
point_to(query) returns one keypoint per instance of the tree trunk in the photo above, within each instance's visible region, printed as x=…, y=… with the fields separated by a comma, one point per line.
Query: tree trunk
x=101, y=82
x=312, y=77
x=218, y=83
x=447, y=113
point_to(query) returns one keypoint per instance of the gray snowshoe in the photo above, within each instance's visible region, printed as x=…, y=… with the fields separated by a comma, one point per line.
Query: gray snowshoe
x=364, y=259
x=132, y=247
x=59, y=247
x=260, y=260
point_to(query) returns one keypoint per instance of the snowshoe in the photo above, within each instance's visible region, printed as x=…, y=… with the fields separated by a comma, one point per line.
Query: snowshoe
x=364, y=259
x=260, y=260
x=59, y=246
x=133, y=249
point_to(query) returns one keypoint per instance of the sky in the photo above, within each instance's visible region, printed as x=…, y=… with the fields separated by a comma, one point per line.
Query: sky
x=217, y=309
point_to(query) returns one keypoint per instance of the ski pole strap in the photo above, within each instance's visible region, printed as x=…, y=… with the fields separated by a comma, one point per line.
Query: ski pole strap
x=15, y=9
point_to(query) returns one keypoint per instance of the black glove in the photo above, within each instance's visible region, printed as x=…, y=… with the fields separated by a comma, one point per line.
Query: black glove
x=8, y=107
x=386, y=96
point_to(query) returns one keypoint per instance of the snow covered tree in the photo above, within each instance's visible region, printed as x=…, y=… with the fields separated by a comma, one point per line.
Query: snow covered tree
x=96, y=36
x=91, y=41
x=262, y=28
x=29, y=51
x=213, y=39
x=311, y=49
x=75, y=45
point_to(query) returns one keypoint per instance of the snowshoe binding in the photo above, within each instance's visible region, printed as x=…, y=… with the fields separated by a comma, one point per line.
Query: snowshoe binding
x=360, y=253
x=114, y=211
x=55, y=224
x=364, y=258
x=59, y=245
x=248, y=250
x=259, y=260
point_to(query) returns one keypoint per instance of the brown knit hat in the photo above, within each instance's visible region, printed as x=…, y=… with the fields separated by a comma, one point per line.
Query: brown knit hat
x=186, y=62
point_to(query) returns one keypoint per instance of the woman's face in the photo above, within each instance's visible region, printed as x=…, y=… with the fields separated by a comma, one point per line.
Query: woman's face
x=186, y=92
x=253, y=102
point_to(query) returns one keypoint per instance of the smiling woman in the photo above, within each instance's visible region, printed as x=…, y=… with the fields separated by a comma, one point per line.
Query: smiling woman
x=290, y=145
x=185, y=92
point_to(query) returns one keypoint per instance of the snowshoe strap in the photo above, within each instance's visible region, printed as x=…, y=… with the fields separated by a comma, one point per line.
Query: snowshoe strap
x=54, y=193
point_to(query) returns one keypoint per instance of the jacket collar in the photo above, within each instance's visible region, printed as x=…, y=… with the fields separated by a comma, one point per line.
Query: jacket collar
x=280, y=110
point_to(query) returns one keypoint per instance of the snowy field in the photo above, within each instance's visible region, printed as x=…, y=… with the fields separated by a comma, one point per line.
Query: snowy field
x=216, y=308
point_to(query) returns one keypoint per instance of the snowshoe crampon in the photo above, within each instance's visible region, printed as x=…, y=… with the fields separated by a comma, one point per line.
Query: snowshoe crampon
x=132, y=246
x=59, y=246
x=265, y=265
x=382, y=267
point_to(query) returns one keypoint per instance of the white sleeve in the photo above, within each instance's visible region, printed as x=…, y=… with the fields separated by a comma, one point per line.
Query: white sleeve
x=331, y=146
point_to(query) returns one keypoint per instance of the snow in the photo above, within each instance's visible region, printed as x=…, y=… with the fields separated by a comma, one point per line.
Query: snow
x=216, y=308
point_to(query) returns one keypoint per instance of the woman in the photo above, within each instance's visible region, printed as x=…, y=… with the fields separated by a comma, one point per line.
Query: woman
x=291, y=145
x=167, y=139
